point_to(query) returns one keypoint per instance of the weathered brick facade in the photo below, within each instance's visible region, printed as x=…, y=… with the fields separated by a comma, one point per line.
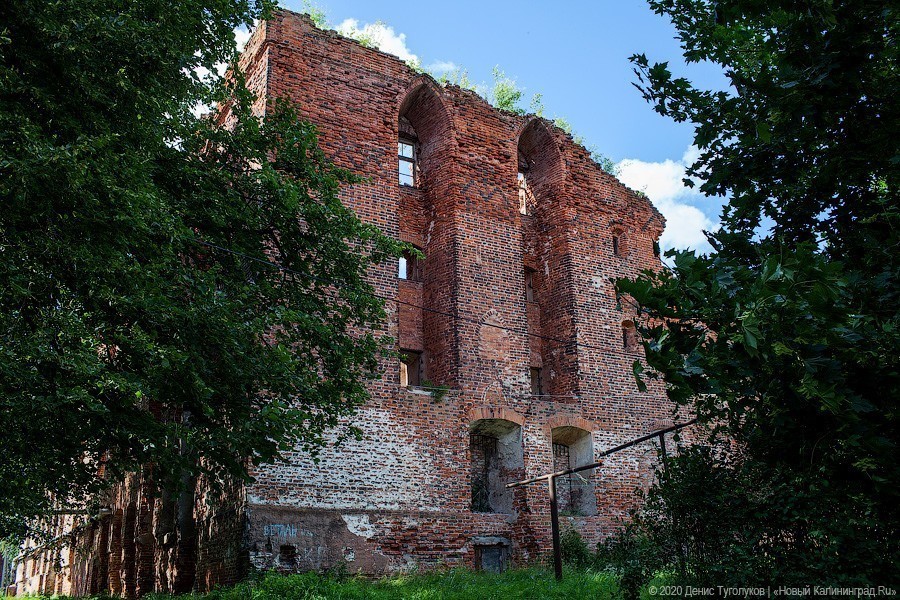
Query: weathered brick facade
x=515, y=313
x=403, y=497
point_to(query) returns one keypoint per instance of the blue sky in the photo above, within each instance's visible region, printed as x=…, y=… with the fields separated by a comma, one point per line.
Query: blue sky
x=574, y=53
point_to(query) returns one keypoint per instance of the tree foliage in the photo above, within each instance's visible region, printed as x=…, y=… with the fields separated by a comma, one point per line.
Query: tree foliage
x=785, y=340
x=141, y=321
x=505, y=93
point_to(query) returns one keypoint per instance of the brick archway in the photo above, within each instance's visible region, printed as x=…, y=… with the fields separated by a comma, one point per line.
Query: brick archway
x=569, y=421
x=481, y=413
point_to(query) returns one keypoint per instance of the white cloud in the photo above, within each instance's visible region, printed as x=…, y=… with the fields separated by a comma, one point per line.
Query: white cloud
x=241, y=36
x=662, y=182
x=381, y=35
x=442, y=66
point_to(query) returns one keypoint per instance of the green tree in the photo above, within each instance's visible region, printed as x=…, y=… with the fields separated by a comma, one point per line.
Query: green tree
x=785, y=340
x=140, y=320
x=505, y=93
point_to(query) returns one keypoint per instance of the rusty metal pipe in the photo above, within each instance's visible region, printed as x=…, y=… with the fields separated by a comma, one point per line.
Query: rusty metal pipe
x=594, y=465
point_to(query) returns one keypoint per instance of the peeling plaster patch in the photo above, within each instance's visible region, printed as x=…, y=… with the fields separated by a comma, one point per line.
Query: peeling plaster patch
x=597, y=281
x=359, y=525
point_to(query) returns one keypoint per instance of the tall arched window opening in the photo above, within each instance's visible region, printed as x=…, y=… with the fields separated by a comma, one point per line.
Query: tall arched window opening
x=425, y=142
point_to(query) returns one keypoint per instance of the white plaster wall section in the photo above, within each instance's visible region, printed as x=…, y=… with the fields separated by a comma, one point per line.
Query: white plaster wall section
x=359, y=524
x=387, y=470
x=429, y=232
x=407, y=564
x=410, y=522
x=516, y=381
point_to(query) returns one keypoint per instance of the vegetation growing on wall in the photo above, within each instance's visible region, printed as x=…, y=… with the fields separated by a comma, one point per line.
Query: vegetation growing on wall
x=503, y=92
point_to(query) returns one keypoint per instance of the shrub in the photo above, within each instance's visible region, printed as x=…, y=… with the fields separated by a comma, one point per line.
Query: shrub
x=575, y=551
x=717, y=518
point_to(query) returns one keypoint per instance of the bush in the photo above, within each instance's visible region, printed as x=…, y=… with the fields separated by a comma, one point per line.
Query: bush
x=575, y=551
x=716, y=518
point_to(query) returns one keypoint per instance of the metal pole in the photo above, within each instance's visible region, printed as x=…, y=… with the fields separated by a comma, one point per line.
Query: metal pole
x=665, y=455
x=554, y=529
x=551, y=483
x=644, y=438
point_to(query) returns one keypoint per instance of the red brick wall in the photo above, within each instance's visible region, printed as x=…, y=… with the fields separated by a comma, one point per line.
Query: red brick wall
x=140, y=542
x=401, y=496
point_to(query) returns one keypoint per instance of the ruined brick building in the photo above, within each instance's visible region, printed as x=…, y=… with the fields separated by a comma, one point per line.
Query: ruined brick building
x=512, y=309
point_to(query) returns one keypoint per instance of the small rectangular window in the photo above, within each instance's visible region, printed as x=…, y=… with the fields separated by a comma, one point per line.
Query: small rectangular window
x=410, y=368
x=405, y=150
x=615, y=242
x=406, y=162
x=537, y=383
x=529, y=285
x=409, y=267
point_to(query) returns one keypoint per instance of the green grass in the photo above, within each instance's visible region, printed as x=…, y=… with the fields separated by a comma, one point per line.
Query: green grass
x=535, y=584
x=451, y=585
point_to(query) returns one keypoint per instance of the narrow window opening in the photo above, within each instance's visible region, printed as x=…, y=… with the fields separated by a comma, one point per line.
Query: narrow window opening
x=484, y=458
x=529, y=285
x=656, y=249
x=523, y=193
x=615, y=244
x=406, y=161
x=409, y=267
x=629, y=337
x=562, y=461
x=410, y=368
x=537, y=382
